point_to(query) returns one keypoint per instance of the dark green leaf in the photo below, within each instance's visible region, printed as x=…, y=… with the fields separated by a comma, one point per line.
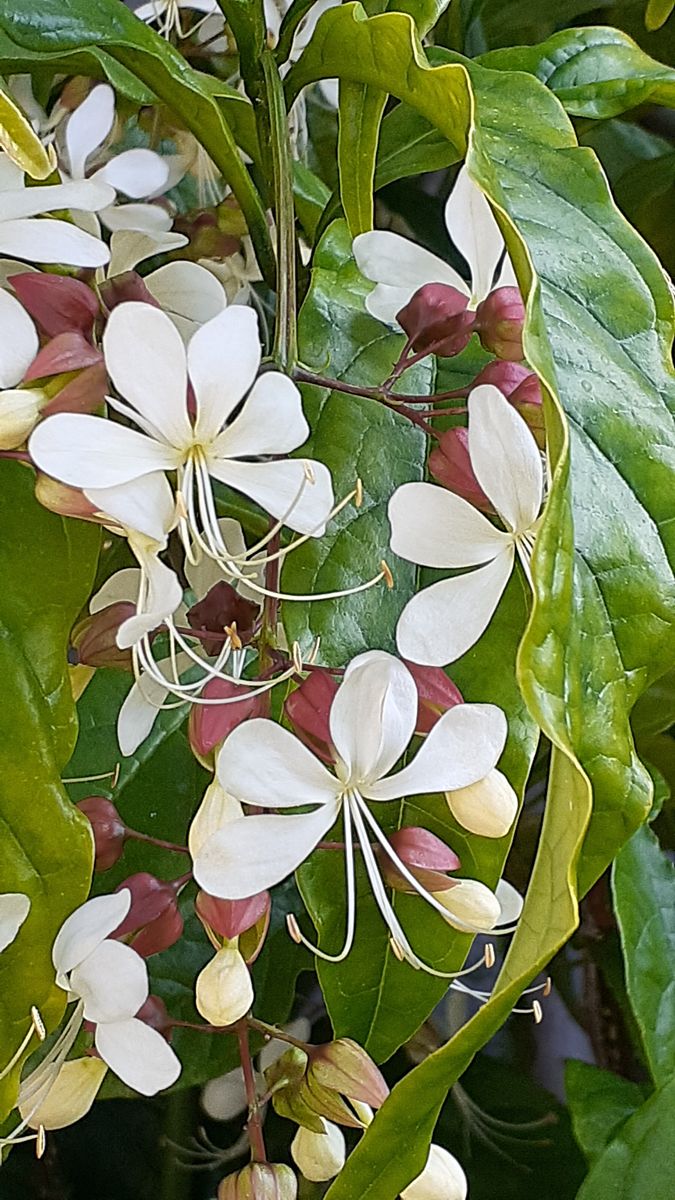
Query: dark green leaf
x=600, y=1103
x=639, y=1163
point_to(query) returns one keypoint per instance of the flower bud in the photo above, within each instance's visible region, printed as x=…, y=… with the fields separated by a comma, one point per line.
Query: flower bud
x=82, y=394
x=221, y=608
x=436, y=693
x=260, y=1181
x=450, y=465
x=343, y=1066
x=470, y=906
x=425, y=855
x=224, y=992
x=308, y=709
x=62, y=499
x=57, y=302
x=319, y=1156
x=128, y=286
x=487, y=808
x=507, y=376
x=19, y=412
x=64, y=353
x=527, y=400
x=441, y=1179
x=210, y=724
x=154, y=1013
x=95, y=638
x=437, y=320
x=70, y=1096
x=229, y=918
x=159, y=934
x=286, y=1080
x=150, y=899
x=499, y=322
x=108, y=829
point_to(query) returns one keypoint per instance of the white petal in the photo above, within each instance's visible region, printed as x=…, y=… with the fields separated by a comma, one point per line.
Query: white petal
x=435, y=528
x=470, y=906
x=184, y=289
x=388, y=258
x=49, y=241
x=164, y=594
x=14, y=908
x=271, y=421
x=473, y=229
x=90, y=452
x=373, y=715
x=112, y=981
x=461, y=748
x=83, y=194
x=140, y=709
x=223, y=360
x=319, y=1156
x=202, y=575
x=261, y=763
x=385, y=303
x=146, y=505
x=12, y=266
x=129, y=247
x=11, y=175
x=87, y=927
x=69, y=1097
x=147, y=218
x=282, y=489
x=145, y=358
x=256, y=852
x=216, y=810
x=123, y=585
x=505, y=457
x=139, y=1055
x=507, y=275
x=88, y=127
x=224, y=1098
x=136, y=173
x=223, y=990
x=19, y=343
x=444, y=620
x=510, y=901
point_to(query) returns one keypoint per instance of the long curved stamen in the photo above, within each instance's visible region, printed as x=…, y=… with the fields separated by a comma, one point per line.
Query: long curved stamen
x=177, y=689
x=38, y=1084
x=293, y=927
x=37, y=1029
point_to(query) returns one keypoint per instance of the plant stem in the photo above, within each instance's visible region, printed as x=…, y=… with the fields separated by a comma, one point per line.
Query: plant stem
x=271, y=1031
x=254, y=1125
x=285, y=349
x=153, y=841
x=397, y=403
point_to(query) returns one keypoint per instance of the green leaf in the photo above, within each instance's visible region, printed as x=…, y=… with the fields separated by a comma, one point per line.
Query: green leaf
x=410, y=145
x=600, y=1103
x=639, y=1162
x=361, y=110
x=644, y=898
x=47, y=567
x=657, y=13
x=311, y=197
x=337, y=338
x=92, y=61
x=61, y=25
x=595, y=72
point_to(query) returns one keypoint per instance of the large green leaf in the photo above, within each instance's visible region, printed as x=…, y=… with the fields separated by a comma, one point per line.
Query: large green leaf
x=339, y=339
x=47, y=567
x=92, y=61
x=58, y=25
x=599, y=1103
x=595, y=72
x=639, y=1163
x=644, y=899
x=601, y=626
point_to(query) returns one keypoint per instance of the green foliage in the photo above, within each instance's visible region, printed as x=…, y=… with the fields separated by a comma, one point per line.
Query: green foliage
x=600, y=1103
x=47, y=568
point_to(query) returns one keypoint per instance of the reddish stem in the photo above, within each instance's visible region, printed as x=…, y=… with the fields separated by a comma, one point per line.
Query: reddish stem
x=153, y=841
x=254, y=1125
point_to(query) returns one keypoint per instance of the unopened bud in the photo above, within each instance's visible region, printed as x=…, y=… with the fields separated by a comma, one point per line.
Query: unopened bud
x=441, y=1179
x=82, y=394
x=108, y=829
x=527, y=400
x=224, y=992
x=499, y=322
x=487, y=808
x=308, y=710
x=470, y=905
x=436, y=693
x=437, y=320
x=128, y=286
x=65, y=353
x=62, y=499
x=210, y=724
x=220, y=610
x=507, y=376
x=57, y=302
x=95, y=638
x=229, y=918
x=450, y=465
x=69, y=1097
x=19, y=412
x=343, y=1066
x=425, y=856
x=319, y=1156
x=154, y=1013
x=153, y=916
x=260, y=1181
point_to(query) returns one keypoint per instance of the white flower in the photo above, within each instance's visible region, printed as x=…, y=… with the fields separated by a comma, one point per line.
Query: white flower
x=441, y=1179
x=319, y=1156
x=111, y=982
x=224, y=991
x=168, y=14
x=399, y=267
x=47, y=240
x=136, y=173
x=372, y=720
x=435, y=528
x=147, y=362
x=14, y=908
